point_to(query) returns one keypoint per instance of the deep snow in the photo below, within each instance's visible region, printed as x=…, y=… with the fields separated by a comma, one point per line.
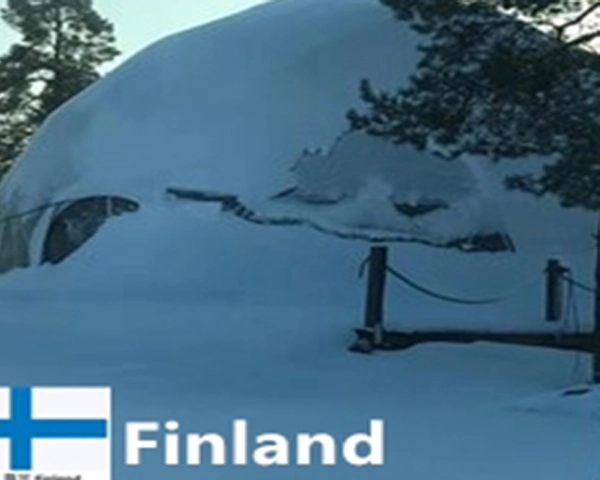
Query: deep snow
x=194, y=315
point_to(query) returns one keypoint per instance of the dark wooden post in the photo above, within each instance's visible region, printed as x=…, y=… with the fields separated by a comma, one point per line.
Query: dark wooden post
x=376, y=293
x=596, y=359
x=554, y=290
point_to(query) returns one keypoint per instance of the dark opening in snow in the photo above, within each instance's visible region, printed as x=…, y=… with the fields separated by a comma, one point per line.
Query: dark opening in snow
x=76, y=223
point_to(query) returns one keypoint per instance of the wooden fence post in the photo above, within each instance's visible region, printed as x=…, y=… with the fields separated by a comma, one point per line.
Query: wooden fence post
x=376, y=293
x=554, y=290
x=596, y=354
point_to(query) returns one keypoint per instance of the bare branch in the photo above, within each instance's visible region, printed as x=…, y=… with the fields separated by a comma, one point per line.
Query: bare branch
x=588, y=37
x=578, y=19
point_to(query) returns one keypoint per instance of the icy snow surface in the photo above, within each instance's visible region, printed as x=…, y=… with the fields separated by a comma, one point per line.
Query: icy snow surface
x=196, y=316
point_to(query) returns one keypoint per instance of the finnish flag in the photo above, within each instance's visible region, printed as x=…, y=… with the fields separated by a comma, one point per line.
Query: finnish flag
x=51, y=431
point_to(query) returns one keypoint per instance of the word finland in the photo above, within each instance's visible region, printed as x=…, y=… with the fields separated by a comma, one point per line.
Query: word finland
x=271, y=449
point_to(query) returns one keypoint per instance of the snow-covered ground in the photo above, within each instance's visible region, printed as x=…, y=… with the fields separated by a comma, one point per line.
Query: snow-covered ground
x=185, y=332
x=196, y=316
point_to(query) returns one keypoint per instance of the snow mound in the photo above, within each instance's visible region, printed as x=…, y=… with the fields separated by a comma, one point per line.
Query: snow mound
x=373, y=188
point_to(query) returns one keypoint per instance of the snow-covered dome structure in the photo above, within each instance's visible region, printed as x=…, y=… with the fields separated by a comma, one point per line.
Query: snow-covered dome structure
x=229, y=107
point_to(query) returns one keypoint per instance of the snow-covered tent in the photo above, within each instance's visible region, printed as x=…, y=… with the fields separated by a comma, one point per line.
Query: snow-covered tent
x=207, y=107
x=228, y=107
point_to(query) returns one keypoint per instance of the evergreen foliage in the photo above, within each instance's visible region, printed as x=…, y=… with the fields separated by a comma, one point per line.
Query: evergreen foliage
x=62, y=44
x=503, y=79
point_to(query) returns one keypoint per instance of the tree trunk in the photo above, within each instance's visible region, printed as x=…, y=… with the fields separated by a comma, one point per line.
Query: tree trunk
x=596, y=360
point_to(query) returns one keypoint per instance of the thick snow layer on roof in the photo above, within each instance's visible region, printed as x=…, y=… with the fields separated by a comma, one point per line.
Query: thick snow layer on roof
x=226, y=106
x=412, y=175
x=370, y=188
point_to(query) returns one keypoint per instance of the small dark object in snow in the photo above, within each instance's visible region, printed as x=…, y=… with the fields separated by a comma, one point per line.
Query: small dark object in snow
x=576, y=392
x=412, y=211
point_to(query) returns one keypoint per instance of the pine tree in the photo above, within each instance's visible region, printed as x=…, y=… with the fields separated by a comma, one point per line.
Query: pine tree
x=63, y=42
x=503, y=79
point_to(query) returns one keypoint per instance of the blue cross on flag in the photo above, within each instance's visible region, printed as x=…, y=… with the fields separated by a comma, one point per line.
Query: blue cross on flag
x=55, y=432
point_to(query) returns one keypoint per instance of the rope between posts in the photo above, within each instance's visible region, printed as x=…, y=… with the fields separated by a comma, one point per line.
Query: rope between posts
x=41, y=208
x=571, y=281
x=440, y=296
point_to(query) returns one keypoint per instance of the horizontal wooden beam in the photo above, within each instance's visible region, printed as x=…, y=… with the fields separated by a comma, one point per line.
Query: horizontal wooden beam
x=394, y=340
